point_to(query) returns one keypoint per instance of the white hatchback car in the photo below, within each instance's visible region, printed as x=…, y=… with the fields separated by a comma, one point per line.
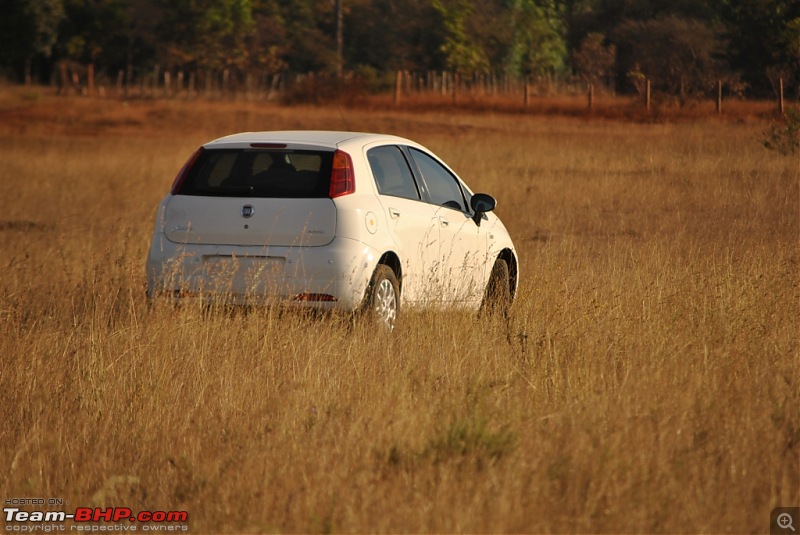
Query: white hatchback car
x=332, y=220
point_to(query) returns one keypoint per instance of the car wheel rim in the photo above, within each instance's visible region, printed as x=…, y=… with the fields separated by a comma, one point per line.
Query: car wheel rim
x=386, y=303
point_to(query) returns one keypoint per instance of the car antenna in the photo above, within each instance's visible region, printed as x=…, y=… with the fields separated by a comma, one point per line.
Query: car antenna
x=341, y=114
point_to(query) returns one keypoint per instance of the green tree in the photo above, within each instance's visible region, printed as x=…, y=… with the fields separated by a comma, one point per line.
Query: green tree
x=205, y=33
x=516, y=36
x=462, y=53
x=539, y=44
x=224, y=28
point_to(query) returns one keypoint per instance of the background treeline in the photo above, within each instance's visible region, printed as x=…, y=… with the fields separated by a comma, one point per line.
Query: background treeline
x=683, y=47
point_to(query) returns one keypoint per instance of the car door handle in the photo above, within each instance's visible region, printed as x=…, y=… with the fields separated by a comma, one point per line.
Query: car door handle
x=394, y=214
x=444, y=222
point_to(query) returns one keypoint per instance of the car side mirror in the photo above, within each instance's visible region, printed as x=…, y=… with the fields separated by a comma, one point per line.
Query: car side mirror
x=481, y=203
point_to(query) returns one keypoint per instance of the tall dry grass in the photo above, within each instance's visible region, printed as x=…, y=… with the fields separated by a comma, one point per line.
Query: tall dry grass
x=646, y=381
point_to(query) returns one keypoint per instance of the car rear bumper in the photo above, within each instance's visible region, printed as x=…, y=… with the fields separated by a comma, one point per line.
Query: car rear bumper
x=333, y=276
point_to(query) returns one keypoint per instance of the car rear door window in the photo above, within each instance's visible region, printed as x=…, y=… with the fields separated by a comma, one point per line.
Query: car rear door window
x=442, y=186
x=392, y=174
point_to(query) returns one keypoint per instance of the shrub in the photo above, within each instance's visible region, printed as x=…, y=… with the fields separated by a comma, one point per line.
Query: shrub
x=784, y=136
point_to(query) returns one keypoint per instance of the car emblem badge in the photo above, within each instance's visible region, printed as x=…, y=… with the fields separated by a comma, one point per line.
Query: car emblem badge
x=247, y=211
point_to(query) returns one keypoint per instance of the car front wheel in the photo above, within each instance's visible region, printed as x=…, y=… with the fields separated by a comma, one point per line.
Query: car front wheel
x=498, y=292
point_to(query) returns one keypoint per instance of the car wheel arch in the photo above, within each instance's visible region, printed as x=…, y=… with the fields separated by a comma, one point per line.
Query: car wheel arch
x=391, y=259
x=511, y=260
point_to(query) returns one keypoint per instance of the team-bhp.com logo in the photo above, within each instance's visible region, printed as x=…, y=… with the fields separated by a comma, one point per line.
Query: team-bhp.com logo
x=94, y=519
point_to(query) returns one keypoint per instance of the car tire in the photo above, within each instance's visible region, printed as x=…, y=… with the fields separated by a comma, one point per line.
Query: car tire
x=383, y=297
x=497, y=299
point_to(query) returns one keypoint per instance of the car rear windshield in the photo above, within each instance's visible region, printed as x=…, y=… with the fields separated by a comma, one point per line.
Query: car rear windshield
x=259, y=173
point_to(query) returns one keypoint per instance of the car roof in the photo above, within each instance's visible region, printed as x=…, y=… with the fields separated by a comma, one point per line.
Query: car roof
x=325, y=138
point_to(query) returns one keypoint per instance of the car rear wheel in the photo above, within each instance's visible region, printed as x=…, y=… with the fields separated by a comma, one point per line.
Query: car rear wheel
x=498, y=292
x=383, y=297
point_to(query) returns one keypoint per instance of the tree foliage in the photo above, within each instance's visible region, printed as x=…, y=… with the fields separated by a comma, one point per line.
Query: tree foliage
x=594, y=59
x=462, y=53
x=681, y=45
x=760, y=35
x=679, y=56
x=538, y=44
x=28, y=28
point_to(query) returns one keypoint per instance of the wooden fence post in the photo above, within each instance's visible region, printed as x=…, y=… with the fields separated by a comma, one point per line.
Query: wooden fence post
x=128, y=79
x=120, y=80
x=156, y=70
x=719, y=97
x=63, y=78
x=780, y=96
x=455, y=87
x=647, y=95
x=90, y=79
x=527, y=93
x=274, y=87
x=167, y=83
x=398, y=87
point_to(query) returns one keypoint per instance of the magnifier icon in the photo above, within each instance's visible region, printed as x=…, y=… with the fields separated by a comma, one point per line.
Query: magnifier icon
x=784, y=521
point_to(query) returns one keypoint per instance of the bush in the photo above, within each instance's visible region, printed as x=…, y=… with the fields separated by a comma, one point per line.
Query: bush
x=784, y=136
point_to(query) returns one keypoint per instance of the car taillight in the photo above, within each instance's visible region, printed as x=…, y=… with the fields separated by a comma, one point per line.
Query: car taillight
x=178, y=182
x=343, y=181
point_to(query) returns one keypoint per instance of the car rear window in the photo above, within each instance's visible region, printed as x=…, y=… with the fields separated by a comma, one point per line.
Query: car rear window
x=259, y=173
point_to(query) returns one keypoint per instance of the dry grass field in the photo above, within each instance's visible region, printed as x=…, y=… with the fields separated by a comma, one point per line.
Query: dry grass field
x=647, y=380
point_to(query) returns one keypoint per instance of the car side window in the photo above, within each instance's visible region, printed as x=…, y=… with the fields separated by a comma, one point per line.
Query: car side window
x=442, y=186
x=392, y=173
